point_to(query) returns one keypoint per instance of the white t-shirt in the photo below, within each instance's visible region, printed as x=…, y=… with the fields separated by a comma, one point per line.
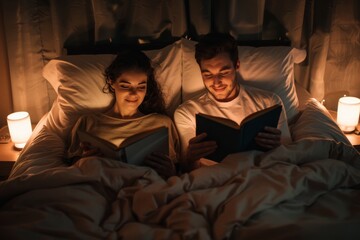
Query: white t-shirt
x=248, y=101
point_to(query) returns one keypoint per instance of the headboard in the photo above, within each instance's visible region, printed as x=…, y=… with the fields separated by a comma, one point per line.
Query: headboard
x=109, y=47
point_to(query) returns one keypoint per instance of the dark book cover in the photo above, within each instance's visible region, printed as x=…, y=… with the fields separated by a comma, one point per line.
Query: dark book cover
x=231, y=137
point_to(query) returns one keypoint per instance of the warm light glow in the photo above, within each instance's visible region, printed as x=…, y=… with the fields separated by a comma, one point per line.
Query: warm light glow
x=348, y=113
x=20, y=130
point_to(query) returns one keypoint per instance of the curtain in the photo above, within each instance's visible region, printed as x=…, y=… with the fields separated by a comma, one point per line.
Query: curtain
x=30, y=42
x=342, y=69
x=38, y=30
x=331, y=35
x=6, y=105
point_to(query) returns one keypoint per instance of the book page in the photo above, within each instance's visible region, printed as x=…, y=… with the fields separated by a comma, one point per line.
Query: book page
x=134, y=149
x=106, y=148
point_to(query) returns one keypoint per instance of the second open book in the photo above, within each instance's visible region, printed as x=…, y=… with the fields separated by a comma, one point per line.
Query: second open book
x=134, y=149
x=231, y=137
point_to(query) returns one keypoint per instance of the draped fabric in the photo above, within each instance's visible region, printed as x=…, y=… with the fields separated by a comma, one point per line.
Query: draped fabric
x=5, y=89
x=39, y=30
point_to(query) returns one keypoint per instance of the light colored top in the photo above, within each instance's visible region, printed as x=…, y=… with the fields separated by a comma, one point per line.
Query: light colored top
x=249, y=100
x=116, y=130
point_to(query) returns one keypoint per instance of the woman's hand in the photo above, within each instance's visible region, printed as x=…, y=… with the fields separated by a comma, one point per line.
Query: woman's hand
x=269, y=139
x=88, y=150
x=162, y=164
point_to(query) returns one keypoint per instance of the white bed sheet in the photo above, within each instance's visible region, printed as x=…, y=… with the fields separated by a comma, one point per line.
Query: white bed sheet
x=99, y=198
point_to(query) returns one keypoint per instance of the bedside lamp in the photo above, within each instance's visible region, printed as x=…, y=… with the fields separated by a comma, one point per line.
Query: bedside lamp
x=348, y=113
x=20, y=129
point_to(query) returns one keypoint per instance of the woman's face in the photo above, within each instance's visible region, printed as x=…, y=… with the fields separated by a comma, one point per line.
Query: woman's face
x=130, y=89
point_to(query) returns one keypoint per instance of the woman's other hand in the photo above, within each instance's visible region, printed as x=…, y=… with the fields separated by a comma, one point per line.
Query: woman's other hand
x=162, y=164
x=88, y=150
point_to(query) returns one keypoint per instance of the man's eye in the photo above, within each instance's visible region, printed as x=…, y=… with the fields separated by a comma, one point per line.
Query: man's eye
x=208, y=76
x=224, y=74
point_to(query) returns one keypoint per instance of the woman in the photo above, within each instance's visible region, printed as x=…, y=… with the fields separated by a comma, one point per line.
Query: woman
x=138, y=107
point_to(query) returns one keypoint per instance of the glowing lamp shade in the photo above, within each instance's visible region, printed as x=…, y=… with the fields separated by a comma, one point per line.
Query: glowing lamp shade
x=19, y=125
x=348, y=113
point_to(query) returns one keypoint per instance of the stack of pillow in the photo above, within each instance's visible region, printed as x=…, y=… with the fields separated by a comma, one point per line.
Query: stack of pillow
x=78, y=79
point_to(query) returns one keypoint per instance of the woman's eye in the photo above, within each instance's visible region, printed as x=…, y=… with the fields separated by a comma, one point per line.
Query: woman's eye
x=122, y=86
x=142, y=88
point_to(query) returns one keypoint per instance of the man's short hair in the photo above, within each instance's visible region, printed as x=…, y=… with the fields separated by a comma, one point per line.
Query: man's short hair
x=212, y=44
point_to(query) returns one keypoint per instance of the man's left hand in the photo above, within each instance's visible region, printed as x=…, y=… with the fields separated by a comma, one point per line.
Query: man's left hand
x=270, y=138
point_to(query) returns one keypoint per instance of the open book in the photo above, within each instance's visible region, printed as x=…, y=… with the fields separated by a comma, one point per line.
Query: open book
x=134, y=149
x=231, y=137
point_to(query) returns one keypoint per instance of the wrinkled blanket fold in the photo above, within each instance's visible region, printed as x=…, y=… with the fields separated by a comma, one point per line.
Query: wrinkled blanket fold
x=99, y=198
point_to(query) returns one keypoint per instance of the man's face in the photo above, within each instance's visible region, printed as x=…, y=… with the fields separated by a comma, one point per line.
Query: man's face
x=218, y=74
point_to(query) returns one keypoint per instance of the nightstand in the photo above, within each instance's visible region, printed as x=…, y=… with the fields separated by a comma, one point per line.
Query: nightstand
x=353, y=138
x=8, y=155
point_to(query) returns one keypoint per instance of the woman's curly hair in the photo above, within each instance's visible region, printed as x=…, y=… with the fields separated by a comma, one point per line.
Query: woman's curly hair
x=135, y=60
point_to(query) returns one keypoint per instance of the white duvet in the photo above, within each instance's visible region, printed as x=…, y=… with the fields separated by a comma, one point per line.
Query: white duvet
x=99, y=198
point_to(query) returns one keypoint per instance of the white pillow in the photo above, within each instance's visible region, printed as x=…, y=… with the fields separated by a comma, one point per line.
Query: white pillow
x=168, y=73
x=316, y=122
x=268, y=68
x=79, y=80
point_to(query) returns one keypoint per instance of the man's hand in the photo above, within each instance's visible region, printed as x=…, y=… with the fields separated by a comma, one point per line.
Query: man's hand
x=162, y=164
x=199, y=148
x=269, y=139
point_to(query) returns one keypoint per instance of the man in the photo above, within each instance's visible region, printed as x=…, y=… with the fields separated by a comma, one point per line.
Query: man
x=217, y=57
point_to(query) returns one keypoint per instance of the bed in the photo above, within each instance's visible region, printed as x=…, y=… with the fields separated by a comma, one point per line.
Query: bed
x=306, y=190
